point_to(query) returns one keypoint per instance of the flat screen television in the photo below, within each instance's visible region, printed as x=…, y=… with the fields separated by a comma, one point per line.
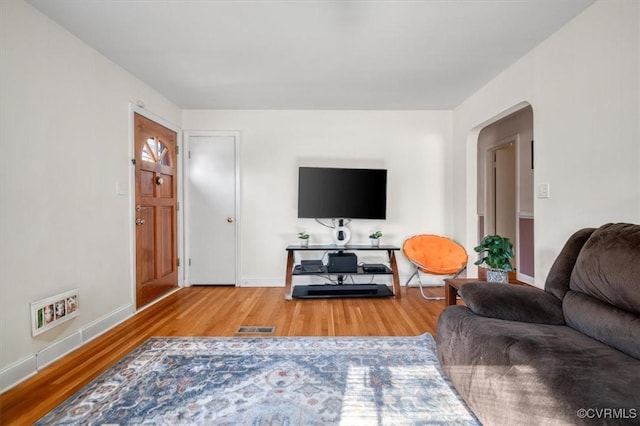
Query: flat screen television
x=339, y=193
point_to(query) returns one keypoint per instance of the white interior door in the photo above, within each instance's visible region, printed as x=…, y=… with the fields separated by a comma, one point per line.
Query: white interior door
x=505, y=192
x=210, y=210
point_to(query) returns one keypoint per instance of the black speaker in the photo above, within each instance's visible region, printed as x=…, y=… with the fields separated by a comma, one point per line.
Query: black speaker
x=343, y=262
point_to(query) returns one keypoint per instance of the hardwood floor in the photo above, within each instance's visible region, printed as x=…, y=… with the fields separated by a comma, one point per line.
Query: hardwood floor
x=218, y=311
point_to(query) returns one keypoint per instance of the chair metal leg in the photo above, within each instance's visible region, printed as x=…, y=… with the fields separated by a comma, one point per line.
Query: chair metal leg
x=430, y=297
x=415, y=272
x=437, y=297
x=420, y=285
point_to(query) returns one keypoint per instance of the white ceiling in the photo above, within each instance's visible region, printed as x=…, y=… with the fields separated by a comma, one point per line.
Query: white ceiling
x=313, y=54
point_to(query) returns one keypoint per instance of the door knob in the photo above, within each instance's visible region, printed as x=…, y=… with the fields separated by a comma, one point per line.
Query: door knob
x=229, y=219
x=159, y=180
x=139, y=221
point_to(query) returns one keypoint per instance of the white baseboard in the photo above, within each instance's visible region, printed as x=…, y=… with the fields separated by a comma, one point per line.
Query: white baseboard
x=106, y=323
x=58, y=349
x=17, y=372
x=526, y=279
x=22, y=370
x=262, y=282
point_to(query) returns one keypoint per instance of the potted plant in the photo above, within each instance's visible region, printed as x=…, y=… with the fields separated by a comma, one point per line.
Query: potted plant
x=303, y=237
x=375, y=239
x=498, y=252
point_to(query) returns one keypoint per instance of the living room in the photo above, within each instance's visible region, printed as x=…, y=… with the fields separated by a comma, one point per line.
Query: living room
x=66, y=220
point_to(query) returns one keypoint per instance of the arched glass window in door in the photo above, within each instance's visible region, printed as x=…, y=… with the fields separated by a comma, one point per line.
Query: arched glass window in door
x=154, y=151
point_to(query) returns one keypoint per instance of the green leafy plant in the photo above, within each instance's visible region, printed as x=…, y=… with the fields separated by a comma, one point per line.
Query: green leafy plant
x=498, y=252
x=376, y=235
x=303, y=235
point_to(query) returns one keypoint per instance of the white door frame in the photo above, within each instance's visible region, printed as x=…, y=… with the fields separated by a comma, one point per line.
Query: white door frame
x=133, y=108
x=238, y=221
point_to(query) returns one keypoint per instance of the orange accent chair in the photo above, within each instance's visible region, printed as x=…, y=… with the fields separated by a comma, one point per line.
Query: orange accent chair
x=434, y=255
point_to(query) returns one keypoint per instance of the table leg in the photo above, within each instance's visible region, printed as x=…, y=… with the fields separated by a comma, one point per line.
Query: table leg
x=288, y=276
x=450, y=294
x=394, y=268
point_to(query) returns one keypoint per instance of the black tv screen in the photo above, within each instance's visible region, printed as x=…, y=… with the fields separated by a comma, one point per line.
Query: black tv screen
x=337, y=193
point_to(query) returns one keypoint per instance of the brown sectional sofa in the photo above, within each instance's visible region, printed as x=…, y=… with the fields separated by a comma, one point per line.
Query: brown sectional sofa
x=567, y=355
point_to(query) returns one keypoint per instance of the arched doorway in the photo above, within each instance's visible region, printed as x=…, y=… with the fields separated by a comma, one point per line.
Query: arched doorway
x=505, y=186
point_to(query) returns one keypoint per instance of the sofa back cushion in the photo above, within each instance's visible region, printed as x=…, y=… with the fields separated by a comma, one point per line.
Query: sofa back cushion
x=559, y=275
x=604, y=297
x=612, y=326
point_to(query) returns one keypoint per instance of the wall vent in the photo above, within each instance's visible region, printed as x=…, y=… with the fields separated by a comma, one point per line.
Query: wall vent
x=53, y=311
x=261, y=329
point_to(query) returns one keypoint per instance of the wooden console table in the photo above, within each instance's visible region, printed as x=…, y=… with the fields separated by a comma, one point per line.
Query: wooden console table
x=393, y=266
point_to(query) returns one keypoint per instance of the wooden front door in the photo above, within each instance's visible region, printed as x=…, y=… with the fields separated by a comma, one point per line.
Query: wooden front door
x=156, y=205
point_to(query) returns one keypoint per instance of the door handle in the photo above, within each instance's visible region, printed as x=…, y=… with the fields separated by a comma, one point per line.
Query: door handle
x=139, y=221
x=229, y=219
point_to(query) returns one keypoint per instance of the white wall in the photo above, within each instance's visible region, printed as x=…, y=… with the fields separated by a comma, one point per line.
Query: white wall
x=415, y=147
x=583, y=84
x=65, y=143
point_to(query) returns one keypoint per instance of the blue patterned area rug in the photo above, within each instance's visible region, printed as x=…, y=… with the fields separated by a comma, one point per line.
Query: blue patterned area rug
x=271, y=381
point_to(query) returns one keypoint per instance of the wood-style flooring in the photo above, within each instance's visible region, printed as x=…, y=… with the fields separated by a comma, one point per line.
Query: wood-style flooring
x=218, y=311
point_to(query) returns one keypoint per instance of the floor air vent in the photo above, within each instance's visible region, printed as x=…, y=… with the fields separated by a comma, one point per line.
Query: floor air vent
x=244, y=329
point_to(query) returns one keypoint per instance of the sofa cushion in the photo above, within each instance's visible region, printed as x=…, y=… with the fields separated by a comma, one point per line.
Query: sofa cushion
x=608, y=266
x=610, y=325
x=512, y=372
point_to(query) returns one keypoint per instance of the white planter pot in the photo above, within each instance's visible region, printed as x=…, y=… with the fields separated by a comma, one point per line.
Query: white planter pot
x=497, y=276
x=375, y=242
x=304, y=242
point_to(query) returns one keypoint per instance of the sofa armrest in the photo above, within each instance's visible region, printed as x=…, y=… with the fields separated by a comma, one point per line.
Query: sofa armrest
x=512, y=302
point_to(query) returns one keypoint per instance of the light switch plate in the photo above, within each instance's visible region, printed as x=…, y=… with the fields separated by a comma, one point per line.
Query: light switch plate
x=543, y=190
x=121, y=188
